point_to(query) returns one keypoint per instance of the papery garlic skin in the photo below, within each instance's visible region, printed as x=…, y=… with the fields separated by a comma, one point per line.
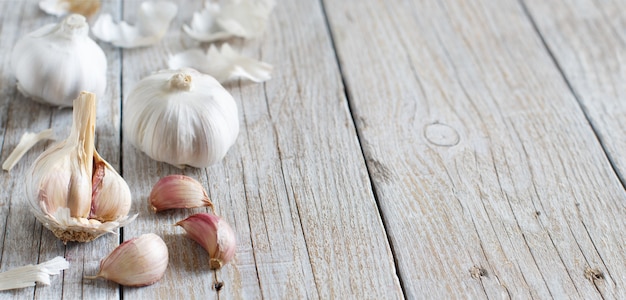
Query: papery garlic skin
x=230, y=18
x=214, y=235
x=153, y=21
x=139, y=261
x=178, y=191
x=65, y=194
x=224, y=64
x=56, y=62
x=181, y=117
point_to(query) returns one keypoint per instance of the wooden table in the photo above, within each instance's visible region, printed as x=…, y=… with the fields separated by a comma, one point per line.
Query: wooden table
x=417, y=149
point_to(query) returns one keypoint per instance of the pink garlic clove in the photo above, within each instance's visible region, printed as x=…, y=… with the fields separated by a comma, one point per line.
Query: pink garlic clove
x=178, y=191
x=139, y=261
x=214, y=235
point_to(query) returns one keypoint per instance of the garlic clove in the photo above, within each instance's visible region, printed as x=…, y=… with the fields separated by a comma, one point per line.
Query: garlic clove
x=178, y=191
x=224, y=64
x=153, y=22
x=56, y=62
x=110, y=197
x=64, y=191
x=181, y=117
x=139, y=261
x=63, y=7
x=214, y=235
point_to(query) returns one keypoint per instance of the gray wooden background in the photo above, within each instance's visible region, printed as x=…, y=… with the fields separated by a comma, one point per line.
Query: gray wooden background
x=403, y=149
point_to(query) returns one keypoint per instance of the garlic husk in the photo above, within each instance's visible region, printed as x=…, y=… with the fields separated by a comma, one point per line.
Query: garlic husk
x=139, y=261
x=224, y=64
x=63, y=7
x=178, y=191
x=214, y=235
x=60, y=183
x=26, y=276
x=230, y=18
x=27, y=141
x=153, y=21
x=56, y=62
x=181, y=117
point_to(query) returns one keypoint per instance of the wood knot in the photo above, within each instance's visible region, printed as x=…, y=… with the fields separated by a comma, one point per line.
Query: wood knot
x=593, y=274
x=477, y=272
x=441, y=134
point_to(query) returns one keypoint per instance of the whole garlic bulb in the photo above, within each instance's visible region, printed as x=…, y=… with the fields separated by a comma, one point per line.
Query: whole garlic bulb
x=56, y=62
x=72, y=190
x=181, y=117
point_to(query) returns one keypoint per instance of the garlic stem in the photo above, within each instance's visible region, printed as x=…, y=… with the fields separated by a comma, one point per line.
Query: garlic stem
x=74, y=25
x=180, y=81
x=84, y=118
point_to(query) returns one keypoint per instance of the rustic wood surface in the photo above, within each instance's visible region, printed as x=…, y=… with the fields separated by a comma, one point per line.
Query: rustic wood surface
x=403, y=149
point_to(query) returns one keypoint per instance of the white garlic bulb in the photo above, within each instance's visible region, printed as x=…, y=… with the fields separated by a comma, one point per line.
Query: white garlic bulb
x=71, y=189
x=181, y=117
x=56, y=62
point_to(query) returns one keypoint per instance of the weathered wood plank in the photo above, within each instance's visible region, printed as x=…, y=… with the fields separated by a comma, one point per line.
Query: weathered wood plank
x=588, y=42
x=490, y=179
x=26, y=241
x=294, y=187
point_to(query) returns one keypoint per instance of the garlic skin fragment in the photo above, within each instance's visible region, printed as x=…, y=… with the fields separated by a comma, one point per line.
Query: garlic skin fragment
x=178, y=191
x=56, y=62
x=153, y=22
x=63, y=7
x=139, y=261
x=230, y=18
x=66, y=195
x=224, y=64
x=181, y=117
x=26, y=276
x=214, y=235
x=27, y=141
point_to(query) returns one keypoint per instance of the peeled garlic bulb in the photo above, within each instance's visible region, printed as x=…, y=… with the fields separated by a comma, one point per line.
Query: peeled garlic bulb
x=181, y=117
x=56, y=62
x=71, y=189
x=137, y=262
x=214, y=235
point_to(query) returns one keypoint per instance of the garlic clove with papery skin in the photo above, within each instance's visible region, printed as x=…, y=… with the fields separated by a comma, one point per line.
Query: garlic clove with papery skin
x=214, y=235
x=181, y=117
x=56, y=62
x=66, y=195
x=178, y=191
x=139, y=261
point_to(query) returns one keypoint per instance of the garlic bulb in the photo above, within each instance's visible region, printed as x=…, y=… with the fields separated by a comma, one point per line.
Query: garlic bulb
x=214, y=235
x=56, y=62
x=71, y=189
x=136, y=262
x=178, y=191
x=181, y=117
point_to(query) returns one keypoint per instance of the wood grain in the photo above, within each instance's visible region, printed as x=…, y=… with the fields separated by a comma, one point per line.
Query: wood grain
x=294, y=186
x=587, y=41
x=490, y=179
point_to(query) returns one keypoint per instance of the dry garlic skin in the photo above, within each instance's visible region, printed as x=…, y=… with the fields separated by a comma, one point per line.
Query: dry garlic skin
x=56, y=62
x=182, y=117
